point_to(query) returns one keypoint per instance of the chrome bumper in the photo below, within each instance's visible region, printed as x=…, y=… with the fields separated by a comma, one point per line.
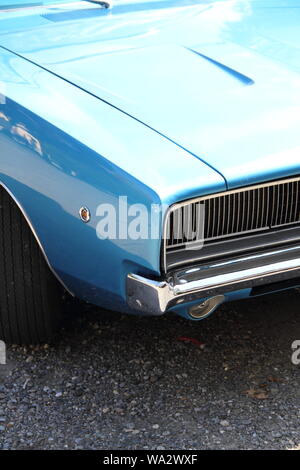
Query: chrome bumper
x=201, y=282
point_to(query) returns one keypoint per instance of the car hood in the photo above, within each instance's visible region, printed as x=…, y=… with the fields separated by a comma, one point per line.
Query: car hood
x=219, y=78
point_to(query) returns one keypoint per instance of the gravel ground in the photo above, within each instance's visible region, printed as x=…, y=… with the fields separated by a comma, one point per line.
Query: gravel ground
x=121, y=382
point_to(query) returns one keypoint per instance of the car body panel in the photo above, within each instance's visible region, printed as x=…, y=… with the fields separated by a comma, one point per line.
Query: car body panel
x=157, y=101
x=201, y=69
x=62, y=149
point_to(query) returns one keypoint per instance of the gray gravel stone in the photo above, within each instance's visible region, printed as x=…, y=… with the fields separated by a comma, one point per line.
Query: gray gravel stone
x=137, y=386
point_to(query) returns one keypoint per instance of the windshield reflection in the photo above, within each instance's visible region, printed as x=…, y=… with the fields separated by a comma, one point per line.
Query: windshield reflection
x=118, y=7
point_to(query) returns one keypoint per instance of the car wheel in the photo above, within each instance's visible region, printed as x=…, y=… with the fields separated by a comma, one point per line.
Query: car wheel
x=30, y=295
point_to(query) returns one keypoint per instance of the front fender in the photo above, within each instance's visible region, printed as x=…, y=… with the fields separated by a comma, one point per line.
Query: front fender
x=62, y=149
x=51, y=184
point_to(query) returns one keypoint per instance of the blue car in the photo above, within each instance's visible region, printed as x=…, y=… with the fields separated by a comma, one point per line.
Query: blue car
x=149, y=156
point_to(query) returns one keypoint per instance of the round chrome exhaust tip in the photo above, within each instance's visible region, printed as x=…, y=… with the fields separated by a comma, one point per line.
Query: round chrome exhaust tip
x=205, y=308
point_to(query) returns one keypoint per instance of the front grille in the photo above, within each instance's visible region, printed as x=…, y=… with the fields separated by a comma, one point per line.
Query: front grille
x=232, y=215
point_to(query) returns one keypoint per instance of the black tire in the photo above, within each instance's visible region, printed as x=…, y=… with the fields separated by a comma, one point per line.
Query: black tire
x=30, y=295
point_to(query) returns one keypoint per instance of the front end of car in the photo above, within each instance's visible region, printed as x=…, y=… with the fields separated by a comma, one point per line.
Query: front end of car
x=238, y=243
x=178, y=116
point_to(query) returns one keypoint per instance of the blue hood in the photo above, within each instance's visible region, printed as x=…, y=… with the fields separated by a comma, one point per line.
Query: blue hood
x=219, y=78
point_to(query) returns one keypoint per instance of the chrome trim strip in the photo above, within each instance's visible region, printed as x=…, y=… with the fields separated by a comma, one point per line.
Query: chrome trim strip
x=212, y=196
x=235, y=191
x=156, y=297
x=26, y=217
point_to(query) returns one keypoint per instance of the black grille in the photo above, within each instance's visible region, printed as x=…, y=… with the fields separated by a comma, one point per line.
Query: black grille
x=234, y=214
